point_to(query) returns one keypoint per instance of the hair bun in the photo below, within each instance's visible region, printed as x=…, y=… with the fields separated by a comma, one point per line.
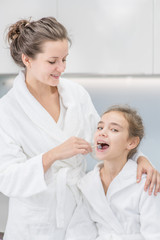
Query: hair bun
x=16, y=29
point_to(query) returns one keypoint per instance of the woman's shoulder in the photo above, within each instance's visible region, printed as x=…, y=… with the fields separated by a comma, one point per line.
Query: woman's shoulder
x=72, y=86
x=8, y=106
x=6, y=100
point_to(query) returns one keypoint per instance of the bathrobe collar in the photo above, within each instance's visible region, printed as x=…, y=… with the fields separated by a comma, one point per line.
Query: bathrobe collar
x=92, y=188
x=35, y=111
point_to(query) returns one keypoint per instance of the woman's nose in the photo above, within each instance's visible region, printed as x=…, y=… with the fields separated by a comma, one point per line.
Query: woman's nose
x=61, y=67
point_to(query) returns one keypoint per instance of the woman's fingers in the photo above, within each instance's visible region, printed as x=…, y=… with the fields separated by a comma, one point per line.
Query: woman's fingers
x=157, y=187
x=72, y=147
x=139, y=173
x=153, y=182
x=149, y=178
x=79, y=143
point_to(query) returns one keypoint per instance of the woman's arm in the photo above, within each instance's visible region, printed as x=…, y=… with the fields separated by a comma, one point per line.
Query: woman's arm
x=19, y=176
x=153, y=176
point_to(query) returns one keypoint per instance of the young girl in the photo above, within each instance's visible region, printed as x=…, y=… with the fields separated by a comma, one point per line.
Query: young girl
x=114, y=206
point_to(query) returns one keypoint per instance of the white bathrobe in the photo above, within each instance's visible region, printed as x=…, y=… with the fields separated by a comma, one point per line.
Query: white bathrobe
x=126, y=212
x=41, y=205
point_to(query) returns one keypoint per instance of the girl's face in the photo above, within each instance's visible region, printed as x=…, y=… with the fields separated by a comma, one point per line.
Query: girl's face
x=112, y=137
x=48, y=66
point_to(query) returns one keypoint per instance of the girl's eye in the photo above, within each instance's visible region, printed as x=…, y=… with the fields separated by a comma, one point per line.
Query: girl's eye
x=51, y=62
x=99, y=128
x=64, y=60
x=114, y=130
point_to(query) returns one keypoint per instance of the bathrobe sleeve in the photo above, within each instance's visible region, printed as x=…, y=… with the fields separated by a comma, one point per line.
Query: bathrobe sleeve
x=137, y=155
x=150, y=216
x=81, y=226
x=91, y=115
x=19, y=176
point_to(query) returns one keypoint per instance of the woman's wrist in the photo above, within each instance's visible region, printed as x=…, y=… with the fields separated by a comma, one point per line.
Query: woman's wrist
x=48, y=159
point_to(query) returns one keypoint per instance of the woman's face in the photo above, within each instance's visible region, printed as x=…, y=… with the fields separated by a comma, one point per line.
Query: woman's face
x=48, y=66
x=112, y=137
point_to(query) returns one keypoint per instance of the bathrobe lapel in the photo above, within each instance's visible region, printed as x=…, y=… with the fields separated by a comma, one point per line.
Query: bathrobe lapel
x=94, y=193
x=92, y=188
x=35, y=111
x=125, y=178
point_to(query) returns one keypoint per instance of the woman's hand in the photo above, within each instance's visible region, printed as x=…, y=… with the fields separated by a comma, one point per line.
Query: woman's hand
x=69, y=148
x=72, y=147
x=153, y=176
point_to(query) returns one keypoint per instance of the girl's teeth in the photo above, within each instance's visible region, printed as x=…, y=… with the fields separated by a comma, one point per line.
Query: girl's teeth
x=99, y=146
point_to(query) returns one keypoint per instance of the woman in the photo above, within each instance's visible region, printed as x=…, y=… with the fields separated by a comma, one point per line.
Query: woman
x=46, y=127
x=114, y=206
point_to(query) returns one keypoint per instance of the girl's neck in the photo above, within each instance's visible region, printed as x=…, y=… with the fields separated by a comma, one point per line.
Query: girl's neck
x=110, y=170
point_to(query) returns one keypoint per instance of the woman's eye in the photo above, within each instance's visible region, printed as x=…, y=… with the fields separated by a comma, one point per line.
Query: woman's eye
x=51, y=62
x=99, y=128
x=64, y=60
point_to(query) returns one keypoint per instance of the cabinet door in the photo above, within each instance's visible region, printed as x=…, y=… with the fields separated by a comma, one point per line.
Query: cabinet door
x=156, y=37
x=12, y=11
x=109, y=36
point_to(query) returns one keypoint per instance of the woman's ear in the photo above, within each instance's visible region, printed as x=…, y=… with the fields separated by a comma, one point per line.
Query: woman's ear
x=133, y=143
x=26, y=60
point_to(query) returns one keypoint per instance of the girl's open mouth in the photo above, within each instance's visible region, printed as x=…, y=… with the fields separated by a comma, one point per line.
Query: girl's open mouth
x=102, y=145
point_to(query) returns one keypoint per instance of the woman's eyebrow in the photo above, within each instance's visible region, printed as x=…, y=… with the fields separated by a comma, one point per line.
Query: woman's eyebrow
x=58, y=57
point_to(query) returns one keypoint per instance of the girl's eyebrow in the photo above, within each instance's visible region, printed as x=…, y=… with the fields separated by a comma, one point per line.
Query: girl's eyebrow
x=116, y=124
x=100, y=122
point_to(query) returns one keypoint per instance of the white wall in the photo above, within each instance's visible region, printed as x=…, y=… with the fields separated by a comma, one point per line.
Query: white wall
x=109, y=36
x=156, y=32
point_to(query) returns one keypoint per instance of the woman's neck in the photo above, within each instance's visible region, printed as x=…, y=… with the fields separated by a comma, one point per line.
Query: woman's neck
x=39, y=89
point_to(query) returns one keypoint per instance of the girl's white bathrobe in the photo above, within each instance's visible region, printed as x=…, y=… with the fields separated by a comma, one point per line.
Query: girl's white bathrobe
x=41, y=205
x=126, y=212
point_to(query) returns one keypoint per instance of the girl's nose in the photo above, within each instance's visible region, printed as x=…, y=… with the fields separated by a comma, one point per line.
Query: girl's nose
x=103, y=133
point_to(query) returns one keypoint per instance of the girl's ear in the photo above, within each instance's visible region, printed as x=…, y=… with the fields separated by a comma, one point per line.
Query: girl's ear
x=133, y=143
x=26, y=60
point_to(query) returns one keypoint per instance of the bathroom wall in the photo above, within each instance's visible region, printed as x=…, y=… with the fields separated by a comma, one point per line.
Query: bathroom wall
x=112, y=37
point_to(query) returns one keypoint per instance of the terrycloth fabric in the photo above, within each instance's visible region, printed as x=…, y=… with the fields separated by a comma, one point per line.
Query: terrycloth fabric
x=125, y=213
x=41, y=205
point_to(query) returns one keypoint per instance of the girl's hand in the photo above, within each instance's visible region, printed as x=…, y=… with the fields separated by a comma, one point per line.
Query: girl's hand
x=153, y=176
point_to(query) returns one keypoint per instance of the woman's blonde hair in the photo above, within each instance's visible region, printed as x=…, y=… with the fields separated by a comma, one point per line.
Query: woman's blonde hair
x=136, y=128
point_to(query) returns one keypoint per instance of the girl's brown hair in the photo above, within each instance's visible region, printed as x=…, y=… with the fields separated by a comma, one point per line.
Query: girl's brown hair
x=136, y=128
x=27, y=37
